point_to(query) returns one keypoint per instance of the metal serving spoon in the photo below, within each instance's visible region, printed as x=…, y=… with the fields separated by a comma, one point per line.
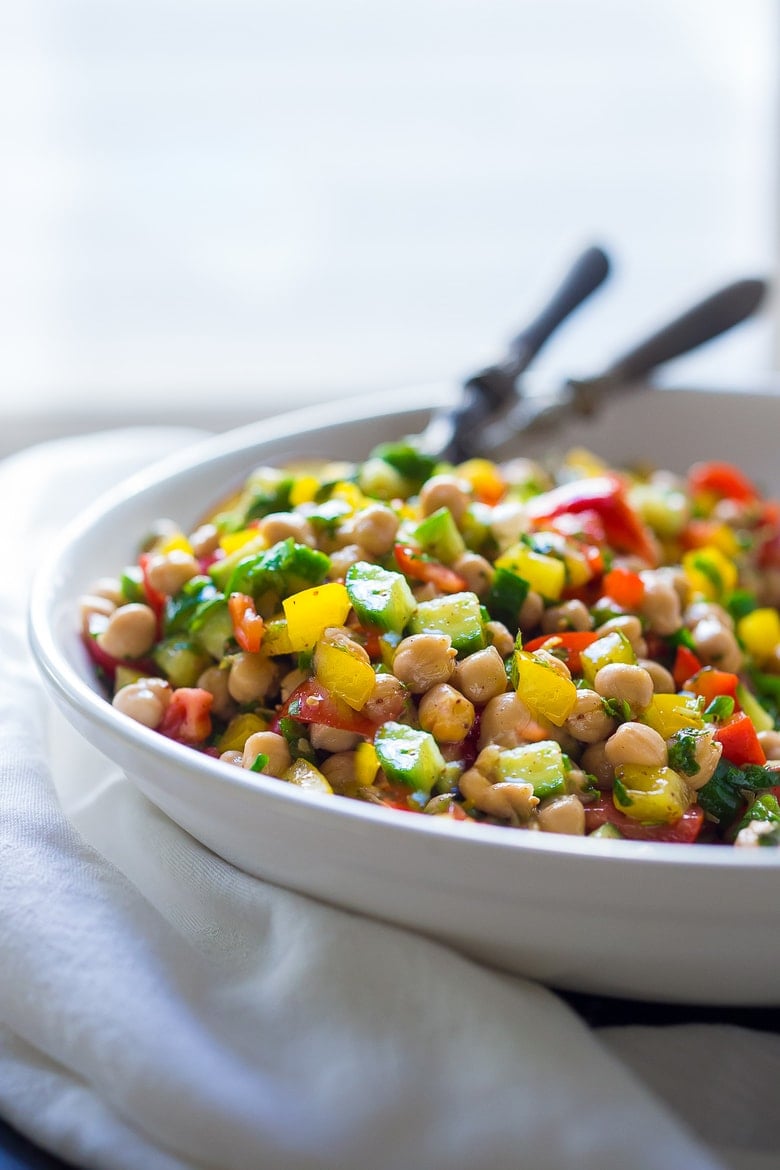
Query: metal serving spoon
x=451, y=433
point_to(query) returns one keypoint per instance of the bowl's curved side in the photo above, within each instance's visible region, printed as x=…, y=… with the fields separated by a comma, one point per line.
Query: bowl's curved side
x=616, y=918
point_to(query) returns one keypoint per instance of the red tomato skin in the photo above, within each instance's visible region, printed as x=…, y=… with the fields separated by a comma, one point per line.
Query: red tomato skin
x=684, y=831
x=187, y=718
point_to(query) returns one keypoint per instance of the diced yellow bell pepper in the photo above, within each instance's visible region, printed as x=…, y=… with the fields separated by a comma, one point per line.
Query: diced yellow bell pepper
x=344, y=674
x=177, y=542
x=653, y=795
x=247, y=540
x=484, y=477
x=668, y=714
x=759, y=633
x=350, y=493
x=305, y=775
x=311, y=611
x=239, y=730
x=612, y=647
x=667, y=510
x=276, y=639
x=584, y=462
x=710, y=574
x=544, y=692
x=366, y=764
x=304, y=489
x=544, y=574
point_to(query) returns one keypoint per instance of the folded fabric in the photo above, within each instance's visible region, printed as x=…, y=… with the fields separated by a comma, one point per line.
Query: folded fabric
x=161, y=1010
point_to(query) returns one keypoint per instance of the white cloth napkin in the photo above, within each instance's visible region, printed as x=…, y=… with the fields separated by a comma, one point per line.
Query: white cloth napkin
x=160, y=1010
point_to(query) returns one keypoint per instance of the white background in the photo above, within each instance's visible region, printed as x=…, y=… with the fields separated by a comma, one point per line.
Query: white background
x=211, y=209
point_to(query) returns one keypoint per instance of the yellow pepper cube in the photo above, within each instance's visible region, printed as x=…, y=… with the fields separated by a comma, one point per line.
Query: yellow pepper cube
x=311, y=611
x=177, y=542
x=544, y=574
x=348, y=677
x=668, y=714
x=484, y=477
x=612, y=647
x=276, y=638
x=246, y=541
x=711, y=575
x=366, y=764
x=759, y=633
x=303, y=490
x=544, y=692
x=652, y=795
x=239, y=730
x=305, y=775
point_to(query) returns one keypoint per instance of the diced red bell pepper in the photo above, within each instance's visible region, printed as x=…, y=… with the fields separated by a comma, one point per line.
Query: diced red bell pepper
x=413, y=564
x=573, y=642
x=686, y=664
x=187, y=718
x=721, y=479
x=606, y=496
x=154, y=598
x=248, y=626
x=740, y=740
x=624, y=587
x=311, y=702
x=710, y=683
x=683, y=831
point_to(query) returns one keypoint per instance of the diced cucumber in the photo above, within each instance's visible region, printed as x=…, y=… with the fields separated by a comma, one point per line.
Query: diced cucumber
x=458, y=614
x=409, y=756
x=212, y=628
x=180, y=661
x=438, y=536
x=540, y=764
x=381, y=598
x=506, y=597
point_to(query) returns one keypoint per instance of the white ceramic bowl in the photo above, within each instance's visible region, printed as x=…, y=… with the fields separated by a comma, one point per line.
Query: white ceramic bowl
x=690, y=923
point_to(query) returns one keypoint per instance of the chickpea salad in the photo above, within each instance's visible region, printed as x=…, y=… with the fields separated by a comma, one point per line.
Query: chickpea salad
x=574, y=650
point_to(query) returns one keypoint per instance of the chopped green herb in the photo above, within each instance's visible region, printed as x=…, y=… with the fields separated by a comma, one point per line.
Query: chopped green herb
x=720, y=709
x=260, y=761
x=621, y=792
x=682, y=753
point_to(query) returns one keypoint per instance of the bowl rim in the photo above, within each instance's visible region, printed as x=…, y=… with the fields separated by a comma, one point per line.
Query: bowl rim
x=62, y=677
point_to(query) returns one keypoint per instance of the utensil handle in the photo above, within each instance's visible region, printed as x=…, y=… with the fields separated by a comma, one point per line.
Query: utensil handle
x=711, y=317
x=583, y=278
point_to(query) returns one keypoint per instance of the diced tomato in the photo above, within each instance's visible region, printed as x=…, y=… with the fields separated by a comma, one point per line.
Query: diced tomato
x=413, y=564
x=686, y=664
x=570, y=642
x=606, y=496
x=311, y=702
x=108, y=664
x=740, y=740
x=721, y=479
x=187, y=718
x=683, y=831
x=248, y=626
x=710, y=683
x=624, y=587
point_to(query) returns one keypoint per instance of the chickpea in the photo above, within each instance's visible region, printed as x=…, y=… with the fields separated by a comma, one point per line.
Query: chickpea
x=343, y=559
x=342, y=639
x=339, y=770
x=445, y=491
x=562, y=814
x=422, y=660
x=291, y=681
x=481, y=676
x=476, y=571
x=700, y=610
x=91, y=607
x=332, y=739
x=504, y=721
x=375, y=528
x=770, y=742
x=556, y=665
x=387, y=700
x=167, y=572
x=707, y=755
x=631, y=627
x=446, y=714
x=500, y=638
x=130, y=632
x=215, y=681
x=251, y=677
x=267, y=743
x=425, y=592
x=232, y=757
x=594, y=761
x=635, y=743
x=144, y=701
x=570, y=615
x=278, y=526
x=507, y=800
x=531, y=611
x=660, y=605
x=632, y=684
x=204, y=540
x=589, y=722
x=716, y=645
x=108, y=587
x=663, y=683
